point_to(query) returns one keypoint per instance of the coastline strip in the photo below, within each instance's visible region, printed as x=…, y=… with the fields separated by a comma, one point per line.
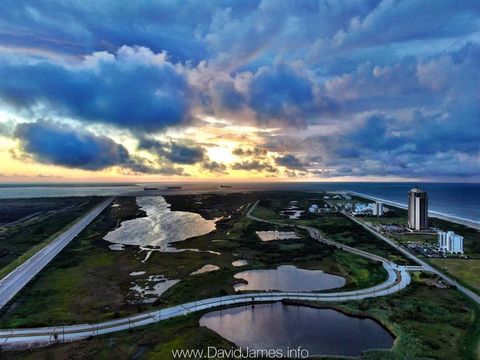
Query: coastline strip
x=458, y=220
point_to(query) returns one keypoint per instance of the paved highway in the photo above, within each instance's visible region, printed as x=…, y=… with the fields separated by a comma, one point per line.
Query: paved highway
x=398, y=278
x=425, y=265
x=11, y=284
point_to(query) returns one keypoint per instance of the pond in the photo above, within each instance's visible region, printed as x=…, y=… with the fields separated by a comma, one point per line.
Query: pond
x=278, y=326
x=161, y=227
x=288, y=278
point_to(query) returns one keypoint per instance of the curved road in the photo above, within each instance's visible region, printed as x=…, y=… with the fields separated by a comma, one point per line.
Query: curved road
x=424, y=264
x=398, y=278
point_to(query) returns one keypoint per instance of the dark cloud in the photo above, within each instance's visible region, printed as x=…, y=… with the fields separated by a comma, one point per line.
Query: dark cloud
x=174, y=152
x=254, y=166
x=134, y=88
x=56, y=144
x=226, y=96
x=98, y=26
x=413, y=20
x=289, y=161
x=59, y=144
x=215, y=167
x=280, y=93
x=257, y=152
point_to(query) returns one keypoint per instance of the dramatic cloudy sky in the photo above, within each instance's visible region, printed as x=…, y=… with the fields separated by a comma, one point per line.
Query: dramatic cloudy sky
x=264, y=90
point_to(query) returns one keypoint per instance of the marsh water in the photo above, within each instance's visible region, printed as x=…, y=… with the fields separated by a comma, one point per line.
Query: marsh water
x=278, y=326
x=161, y=227
x=288, y=278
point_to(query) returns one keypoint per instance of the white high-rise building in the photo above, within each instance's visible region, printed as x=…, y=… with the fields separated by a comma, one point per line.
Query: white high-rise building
x=450, y=242
x=417, y=209
x=378, y=208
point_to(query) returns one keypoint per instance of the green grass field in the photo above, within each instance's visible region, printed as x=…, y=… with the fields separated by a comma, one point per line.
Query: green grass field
x=33, y=224
x=333, y=226
x=465, y=270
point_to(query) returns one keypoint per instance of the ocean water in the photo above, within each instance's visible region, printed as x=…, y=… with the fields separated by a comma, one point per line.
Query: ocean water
x=455, y=199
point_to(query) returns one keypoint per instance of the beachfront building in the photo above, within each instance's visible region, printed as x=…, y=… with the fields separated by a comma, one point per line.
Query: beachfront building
x=450, y=242
x=363, y=209
x=378, y=208
x=417, y=209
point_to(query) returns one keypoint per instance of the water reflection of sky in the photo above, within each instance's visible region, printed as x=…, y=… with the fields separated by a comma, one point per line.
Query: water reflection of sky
x=277, y=326
x=160, y=227
x=288, y=278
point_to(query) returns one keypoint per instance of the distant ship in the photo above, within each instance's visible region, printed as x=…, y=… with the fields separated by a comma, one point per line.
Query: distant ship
x=150, y=188
x=225, y=186
x=174, y=187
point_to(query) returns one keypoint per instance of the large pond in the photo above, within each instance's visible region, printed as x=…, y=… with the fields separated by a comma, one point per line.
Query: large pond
x=288, y=278
x=160, y=227
x=278, y=326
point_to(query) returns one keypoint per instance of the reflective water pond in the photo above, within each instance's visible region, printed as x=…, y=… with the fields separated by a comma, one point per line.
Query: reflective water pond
x=278, y=326
x=160, y=227
x=288, y=278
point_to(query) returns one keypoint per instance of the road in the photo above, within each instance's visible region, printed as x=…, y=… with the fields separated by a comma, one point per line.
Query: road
x=425, y=265
x=11, y=284
x=315, y=233
x=398, y=278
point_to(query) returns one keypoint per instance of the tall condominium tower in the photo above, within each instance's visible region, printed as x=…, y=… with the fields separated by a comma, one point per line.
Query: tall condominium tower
x=417, y=209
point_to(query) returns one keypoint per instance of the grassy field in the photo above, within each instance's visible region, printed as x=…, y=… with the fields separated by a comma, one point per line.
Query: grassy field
x=30, y=224
x=333, y=226
x=465, y=270
x=339, y=228
x=90, y=282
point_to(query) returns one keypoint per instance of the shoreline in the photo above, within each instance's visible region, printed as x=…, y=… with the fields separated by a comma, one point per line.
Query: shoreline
x=458, y=220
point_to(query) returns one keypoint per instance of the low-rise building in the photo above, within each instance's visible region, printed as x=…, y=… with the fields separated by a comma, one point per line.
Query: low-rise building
x=363, y=209
x=450, y=242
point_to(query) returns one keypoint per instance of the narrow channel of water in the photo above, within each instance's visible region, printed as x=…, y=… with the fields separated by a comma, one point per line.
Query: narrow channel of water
x=278, y=326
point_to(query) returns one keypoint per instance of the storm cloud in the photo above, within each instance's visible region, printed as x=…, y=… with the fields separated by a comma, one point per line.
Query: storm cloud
x=174, y=151
x=133, y=88
x=332, y=88
x=56, y=144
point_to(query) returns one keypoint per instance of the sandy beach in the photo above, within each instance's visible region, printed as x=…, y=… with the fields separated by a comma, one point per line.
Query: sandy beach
x=461, y=221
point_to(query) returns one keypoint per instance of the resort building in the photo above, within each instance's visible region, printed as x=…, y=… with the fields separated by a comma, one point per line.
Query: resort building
x=378, y=208
x=450, y=242
x=417, y=209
